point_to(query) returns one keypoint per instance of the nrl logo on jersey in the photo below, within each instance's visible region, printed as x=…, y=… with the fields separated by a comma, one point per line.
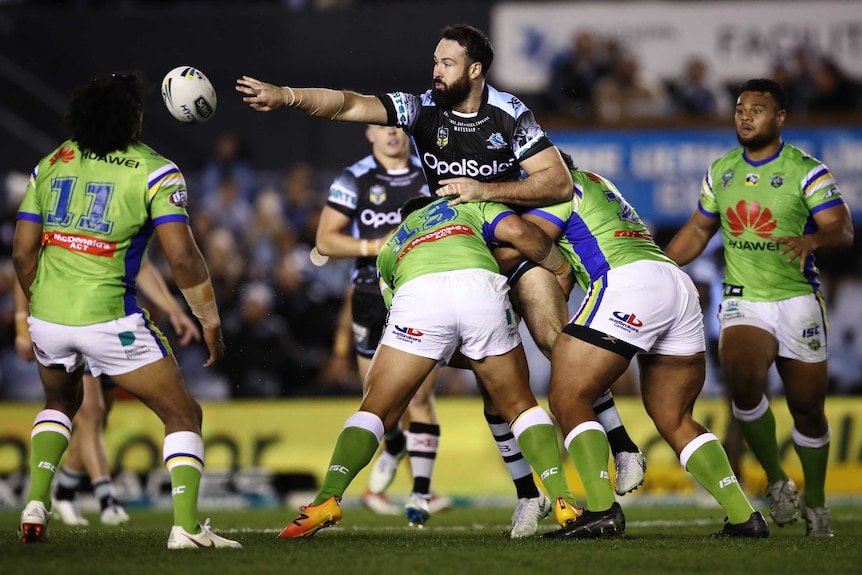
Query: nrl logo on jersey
x=377, y=194
x=442, y=137
x=752, y=179
x=496, y=141
x=727, y=179
x=776, y=181
x=180, y=198
x=833, y=191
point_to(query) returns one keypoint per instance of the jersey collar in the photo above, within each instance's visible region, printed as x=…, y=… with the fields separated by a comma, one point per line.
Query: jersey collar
x=764, y=161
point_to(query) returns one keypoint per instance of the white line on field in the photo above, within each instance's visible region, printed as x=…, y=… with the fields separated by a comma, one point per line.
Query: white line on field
x=503, y=527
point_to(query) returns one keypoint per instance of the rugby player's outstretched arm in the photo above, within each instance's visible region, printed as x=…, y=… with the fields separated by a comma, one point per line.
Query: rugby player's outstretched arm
x=342, y=105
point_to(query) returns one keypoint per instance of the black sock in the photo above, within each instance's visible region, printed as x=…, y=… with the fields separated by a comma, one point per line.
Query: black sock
x=395, y=445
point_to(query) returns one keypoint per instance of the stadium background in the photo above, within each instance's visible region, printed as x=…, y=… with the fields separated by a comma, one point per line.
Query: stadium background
x=268, y=433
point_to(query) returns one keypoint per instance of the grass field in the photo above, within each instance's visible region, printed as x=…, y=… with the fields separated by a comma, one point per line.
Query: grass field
x=470, y=540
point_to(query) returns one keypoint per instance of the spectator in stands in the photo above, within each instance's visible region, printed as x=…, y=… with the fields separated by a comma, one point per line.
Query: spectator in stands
x=265, y=358
x=309, y=298
x=228, y=162
x=227, y=267
x=836, y=91
x=262, y=238
x=297, y=196
x=804, y=83
x=228, y=209
x=573, y=77
x=629, y=92
x=695, y=94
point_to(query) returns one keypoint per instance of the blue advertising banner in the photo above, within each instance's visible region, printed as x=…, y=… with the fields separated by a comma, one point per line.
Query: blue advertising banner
x=660, y=172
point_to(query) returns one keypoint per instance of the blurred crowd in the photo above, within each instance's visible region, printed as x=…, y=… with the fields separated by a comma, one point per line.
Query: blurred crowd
x=601, y=79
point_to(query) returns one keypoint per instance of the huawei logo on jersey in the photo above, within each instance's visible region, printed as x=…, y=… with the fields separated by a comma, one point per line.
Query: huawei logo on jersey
x=749, y=216
x=64, y=154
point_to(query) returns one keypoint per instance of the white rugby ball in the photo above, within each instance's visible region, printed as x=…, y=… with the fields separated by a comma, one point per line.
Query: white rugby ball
x=189, y=95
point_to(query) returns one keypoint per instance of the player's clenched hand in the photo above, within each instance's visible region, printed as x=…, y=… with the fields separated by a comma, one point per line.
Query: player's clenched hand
x=464, y=190
x=798, y=246
x=215, y=343
x=261, y=96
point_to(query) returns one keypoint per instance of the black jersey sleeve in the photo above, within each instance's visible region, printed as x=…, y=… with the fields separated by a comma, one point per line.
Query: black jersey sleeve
x=390, y=108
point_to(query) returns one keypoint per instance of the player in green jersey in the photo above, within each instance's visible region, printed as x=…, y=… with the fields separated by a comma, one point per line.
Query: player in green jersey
x=86, y=451
x=90, y=211
x=775, y=205
x=363, y=208
x=637, y=302
x=445, y=295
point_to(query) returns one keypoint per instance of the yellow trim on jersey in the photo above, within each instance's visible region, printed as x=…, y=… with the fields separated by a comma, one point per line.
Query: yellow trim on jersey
x=819, y=183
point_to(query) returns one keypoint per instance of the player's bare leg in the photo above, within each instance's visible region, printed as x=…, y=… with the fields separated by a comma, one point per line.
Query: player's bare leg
x=537, y=297
x=505, y=380
x=160, y=386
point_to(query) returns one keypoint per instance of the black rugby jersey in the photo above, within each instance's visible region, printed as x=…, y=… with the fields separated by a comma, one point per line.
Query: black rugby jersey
x=371, y=197
x=487, y=146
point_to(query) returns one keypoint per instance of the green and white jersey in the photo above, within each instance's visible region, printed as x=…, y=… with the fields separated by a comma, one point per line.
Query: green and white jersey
x=439, y=238
x=98, y=215
x=600, y=229
x=757, y=201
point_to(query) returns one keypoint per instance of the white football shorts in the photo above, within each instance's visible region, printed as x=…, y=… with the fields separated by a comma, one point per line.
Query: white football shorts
x=468, y=310
x=650, y=305
x=798, y=324
x=113, y=347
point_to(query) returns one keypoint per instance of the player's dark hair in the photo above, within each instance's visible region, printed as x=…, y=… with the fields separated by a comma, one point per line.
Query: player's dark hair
x=567, y=159
x=474, y=41
x=417, y=203
x=765, y=86
x=104, y=114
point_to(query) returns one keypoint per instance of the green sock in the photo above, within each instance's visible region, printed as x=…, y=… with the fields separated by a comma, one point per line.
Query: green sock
x=708, y=464
x=185, y=485
x=539, y=445
x=51, y=432
x=759, y=433
x=590, y=452
x=353, y=451
x=183, y=453
x=814, y=461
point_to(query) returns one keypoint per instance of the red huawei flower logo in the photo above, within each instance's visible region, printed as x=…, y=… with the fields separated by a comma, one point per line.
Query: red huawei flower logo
x=64, y=154
x=750, y=216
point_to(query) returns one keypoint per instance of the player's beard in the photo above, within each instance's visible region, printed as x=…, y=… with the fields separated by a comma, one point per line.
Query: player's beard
x=452, y=95
x=759, y=141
